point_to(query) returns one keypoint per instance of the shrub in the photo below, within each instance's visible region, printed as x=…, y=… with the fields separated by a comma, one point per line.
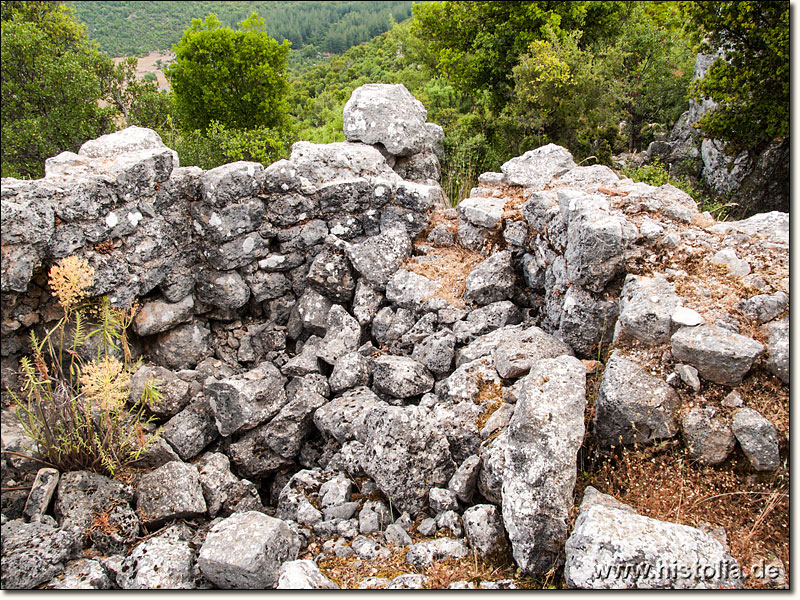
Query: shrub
x=656, y=174
x=77, y=410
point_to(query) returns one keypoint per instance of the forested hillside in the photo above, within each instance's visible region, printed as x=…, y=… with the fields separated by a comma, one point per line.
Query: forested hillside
x=128, y=28
x=601, y=78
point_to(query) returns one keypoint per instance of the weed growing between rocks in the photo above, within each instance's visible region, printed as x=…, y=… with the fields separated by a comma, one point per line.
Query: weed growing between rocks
x=75, y=408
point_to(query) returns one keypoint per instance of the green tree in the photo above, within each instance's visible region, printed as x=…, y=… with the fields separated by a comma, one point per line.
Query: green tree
x=52, y=80
x=477, y=44
x=751, y=84
x=237, y=78
x=138, y=100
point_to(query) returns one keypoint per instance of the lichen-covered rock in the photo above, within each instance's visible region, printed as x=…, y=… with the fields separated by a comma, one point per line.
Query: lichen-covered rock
x=303, y=575
x=424, y=554
x=646, y=306
x=343, y=335
x=223, y=492
x=544, y=437
x=244, y=401
x=368, y=549
x=707, y=436
x=350, y=371
x=633, y=406
x=331, y=275
x=485, y=319
x=287, y=431
x=482, y=212
x=310, y=313
x=223, y=289
x=493, y=280
x=758, y=439
x=764, y=307
x=483, y=526
x=536, y=168
x=401, y=377
x=386, y=114
x=81, y=495
x=175, y=392
x=182, y=347
x=192, y=429
x=719, y=355
x=596, y=239
x=378, y=257
x=441, y=500
x=612, y=547
x=405, y=454
x=157, y=316
x=493, y=462
x=246, y=551
x=172, y=491
x=464, y=480
x=81, y=574
x=436, y=351
x=34, y=553
x=409, y=290
x=778, y=349
x=42, y=490
x=165, y=562
x=343, y=418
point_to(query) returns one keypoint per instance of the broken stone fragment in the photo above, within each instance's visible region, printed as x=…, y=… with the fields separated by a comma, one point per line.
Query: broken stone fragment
x=633, y=406
x=758, y=439
x=707, y=436
x=612, y=547
x=246, y=551
x=401, y=376
x=172, y=491
x=719, y=355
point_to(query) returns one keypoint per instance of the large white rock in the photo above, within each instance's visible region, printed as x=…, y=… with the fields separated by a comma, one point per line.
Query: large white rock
x=380, y=113
x=246, y=550
x=613, y=547
x=544, y=437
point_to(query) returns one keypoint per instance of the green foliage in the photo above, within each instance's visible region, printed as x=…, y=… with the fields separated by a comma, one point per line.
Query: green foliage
x=237, y=78
x=52, y=79
x=576, y=95
x=127, y=28
x=77, y=410
x=138, y=100
x=476, y=45
x=656, y=174
x=751, y=85
x=218, y=145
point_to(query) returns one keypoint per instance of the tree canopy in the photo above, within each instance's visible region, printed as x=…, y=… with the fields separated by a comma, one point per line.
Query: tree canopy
x=237, y=78
x=750, y=85
x=477, y=44
x=52, y=79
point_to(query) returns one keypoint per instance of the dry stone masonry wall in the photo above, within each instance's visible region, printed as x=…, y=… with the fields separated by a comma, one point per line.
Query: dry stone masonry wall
x=349, y=366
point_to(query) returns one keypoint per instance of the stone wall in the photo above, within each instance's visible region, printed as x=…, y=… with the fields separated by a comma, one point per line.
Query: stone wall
x=327, y=319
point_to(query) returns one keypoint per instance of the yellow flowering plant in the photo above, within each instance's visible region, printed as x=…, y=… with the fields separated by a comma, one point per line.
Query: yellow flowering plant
x=77, y=410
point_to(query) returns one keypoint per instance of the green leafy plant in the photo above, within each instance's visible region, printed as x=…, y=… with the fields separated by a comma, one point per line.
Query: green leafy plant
x=77, y=409
x=656, y=174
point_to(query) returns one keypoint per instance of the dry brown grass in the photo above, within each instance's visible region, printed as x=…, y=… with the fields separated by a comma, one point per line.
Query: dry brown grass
x=449, y=267
x=490, y=396
x=663, y=483
x=349, y=572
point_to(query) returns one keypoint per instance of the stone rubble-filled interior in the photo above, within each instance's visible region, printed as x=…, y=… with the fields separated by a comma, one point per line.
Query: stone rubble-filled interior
x=365, y=388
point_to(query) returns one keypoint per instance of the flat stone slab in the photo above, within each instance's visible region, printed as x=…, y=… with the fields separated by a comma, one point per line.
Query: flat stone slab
x=719, y=355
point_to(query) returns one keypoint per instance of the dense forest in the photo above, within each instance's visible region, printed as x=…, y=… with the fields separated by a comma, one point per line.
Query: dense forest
x=131, y=28
x=599, y=78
